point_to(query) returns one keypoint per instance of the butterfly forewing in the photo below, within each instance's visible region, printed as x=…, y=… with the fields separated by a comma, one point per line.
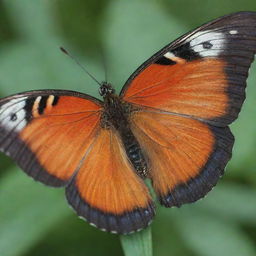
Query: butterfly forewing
x=48, y=132
x=202, y=75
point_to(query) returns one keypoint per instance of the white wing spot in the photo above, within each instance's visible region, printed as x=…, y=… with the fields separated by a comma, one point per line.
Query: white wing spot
x=12, y=114
x=92, y=224
x=50, y=101
x=207, y=43
x=36, y=106
x=233, y=32
x=169, y=55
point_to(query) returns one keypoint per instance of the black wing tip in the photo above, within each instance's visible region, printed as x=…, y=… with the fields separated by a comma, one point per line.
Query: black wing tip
x=198, y=187
x=123, y=224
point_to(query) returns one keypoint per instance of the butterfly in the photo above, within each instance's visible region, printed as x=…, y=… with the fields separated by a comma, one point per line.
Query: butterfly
x=170, y=124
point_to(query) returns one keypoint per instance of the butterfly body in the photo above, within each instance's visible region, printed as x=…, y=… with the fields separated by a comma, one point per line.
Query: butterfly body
x=170, y=123
x=116, y=115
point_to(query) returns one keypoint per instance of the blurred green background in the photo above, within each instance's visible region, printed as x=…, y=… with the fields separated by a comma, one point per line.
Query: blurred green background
x=34, y=219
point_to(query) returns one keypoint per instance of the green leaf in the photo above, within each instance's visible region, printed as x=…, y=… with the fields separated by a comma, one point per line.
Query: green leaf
x=24, y=12
x=231, y=201
x=210, y=236
x=86, y=37
x=198, y=12
x=128, y=35
x=139, y=243
x=28, y=211
x=37, y=62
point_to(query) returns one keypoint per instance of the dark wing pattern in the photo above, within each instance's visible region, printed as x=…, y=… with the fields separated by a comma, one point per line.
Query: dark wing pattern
x=185, y=96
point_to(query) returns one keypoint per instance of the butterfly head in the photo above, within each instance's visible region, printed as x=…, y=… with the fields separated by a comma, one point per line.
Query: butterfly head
x=106, y=89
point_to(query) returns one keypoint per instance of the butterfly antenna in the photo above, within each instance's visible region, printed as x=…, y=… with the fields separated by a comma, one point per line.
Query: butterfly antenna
x=79, y=64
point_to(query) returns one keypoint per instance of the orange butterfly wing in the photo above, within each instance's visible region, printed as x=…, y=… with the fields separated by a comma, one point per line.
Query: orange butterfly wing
x=48, y=132
x=56, y=137
x=107, y=191
x=182, y=88
x=184, y=97
x=201, y=75
x=185, y=157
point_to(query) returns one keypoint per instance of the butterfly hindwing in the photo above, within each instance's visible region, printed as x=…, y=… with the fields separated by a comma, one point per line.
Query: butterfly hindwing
x=185, y=156
x=107, y=192
x=201, y=75
x=48, y=132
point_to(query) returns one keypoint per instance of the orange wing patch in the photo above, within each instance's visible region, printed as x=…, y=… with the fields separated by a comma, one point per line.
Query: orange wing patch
x=62, y=135
x=186, y=156
x=47, y=133
x=118, y=199
x=196, y=88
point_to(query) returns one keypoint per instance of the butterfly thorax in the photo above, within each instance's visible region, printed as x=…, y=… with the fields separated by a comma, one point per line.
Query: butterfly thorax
x=116, y=116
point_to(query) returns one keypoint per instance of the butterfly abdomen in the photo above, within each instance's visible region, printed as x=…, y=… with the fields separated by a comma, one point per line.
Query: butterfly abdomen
x=134, y=153
x=116, y=116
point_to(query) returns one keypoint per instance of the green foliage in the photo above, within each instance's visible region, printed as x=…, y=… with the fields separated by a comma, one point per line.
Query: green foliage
x=26, y=214
x=139, y=243
x=34, y=219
